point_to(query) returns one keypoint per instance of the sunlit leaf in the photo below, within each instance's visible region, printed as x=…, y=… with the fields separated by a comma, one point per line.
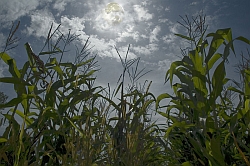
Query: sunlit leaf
x=213, y=60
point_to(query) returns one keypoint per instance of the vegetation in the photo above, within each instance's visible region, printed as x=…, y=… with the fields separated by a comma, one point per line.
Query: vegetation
x=67, y=120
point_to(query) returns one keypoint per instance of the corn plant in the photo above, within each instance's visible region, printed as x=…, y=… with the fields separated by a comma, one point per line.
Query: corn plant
x=133, y=134
x=50, y=98
x=66, y=119
x=205, y=127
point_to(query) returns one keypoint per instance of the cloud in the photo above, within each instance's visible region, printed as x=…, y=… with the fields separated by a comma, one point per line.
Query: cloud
x=145, y=50
x=134, y=35
x=169, y=38
x=154, y=34
x=2, y=41
x=41, y=21
x=174, y=28
x=74, y=23
x=193, y=3
x=164, y=65
x=60, y=4
x=163, y=20
x=167, y=8
x=142, y=13
x=11, y=10
x=107, y=49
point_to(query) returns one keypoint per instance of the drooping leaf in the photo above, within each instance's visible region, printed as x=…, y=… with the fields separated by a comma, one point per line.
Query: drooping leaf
x=12, y=64
x=243, y=39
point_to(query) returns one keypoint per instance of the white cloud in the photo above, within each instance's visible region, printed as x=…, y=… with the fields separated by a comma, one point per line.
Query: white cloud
x=3, y=67
x=129, y=31
x=167, y=8
x=154, y=34
x=60, y=4
x=104, y=48
x=163, y=20
x=174, y=28
x=170, y=38
x=142, y=13
x=11, y=10
x=134, y=35
x=193, y=3
x=41, y=21
x=74, y=23
x=145, y=50
x=164, y=65
x=2, y=41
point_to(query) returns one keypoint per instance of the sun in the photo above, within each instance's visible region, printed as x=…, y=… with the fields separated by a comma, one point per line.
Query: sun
x=113, y=13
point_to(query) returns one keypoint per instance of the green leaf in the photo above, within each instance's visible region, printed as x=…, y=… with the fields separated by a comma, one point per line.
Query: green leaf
x=17, y=100
x=247, y=81
x=118, y=88
x=184, y=37
x=2, y=140
x=215, y=44
x=166, y=115
x=213, y=59
x=13, y=80
x=196, y=146
x=52, y=61
x=199, y=81
x=216, y=150
x=227, y=50
x=170, y=73
x=64, y=105
x=187, y=163
x=85, y=62
x=241, y=38
x=12, y=64
x=27, y=120
x=81, y=133
x=218, y=80
x=12, y=102
x=60, y=72
x=235, y=90
x=30, y=57
x=210, y=124
x=114, y=118
x=49, y=52
x=243, y=111
x=233, y=123
x=197, y=60
x=23, y=71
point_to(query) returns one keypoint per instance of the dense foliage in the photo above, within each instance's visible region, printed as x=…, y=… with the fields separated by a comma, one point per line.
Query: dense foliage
x=67, y=120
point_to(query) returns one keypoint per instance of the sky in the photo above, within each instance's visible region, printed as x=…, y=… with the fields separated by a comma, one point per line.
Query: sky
x=148, y=26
